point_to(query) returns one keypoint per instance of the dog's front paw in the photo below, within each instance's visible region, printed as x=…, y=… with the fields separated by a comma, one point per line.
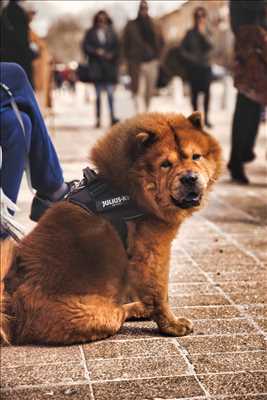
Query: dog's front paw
x=177, y=327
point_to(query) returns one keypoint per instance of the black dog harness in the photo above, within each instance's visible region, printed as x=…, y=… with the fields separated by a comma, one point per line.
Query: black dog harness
x=95, y=195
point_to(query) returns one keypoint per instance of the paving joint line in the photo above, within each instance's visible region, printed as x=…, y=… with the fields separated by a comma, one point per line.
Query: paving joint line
x=175, y=376
x=237, y=396
x=230, y=352
x=151, y=338
x=261, y=305
x=228, y=298
x=230, y=206
x=190, y=367
x=233, y=241
x=87, y=374
x=134, y=357
x=44, y=386
x=205, y=283
x=170, y=355
x=219, y=319
x=86, y=383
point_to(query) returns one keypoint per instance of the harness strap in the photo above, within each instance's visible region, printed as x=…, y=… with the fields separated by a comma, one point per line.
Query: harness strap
x=95, y=195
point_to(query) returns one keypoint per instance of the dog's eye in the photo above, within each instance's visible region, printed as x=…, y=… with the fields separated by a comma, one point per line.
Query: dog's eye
x=166, y=164
x=196, y=157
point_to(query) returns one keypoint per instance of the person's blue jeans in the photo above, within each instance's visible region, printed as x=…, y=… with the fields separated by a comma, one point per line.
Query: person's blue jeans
x=109, y=88
x=46, y=173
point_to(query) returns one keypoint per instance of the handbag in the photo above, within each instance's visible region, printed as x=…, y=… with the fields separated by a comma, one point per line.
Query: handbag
x=83, y=73
x=173, y=64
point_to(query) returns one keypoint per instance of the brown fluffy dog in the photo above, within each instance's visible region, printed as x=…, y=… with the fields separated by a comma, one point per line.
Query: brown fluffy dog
x=74, y=279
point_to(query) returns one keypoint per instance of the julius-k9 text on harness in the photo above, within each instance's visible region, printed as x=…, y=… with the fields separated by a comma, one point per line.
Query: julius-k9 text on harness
x=95, y=195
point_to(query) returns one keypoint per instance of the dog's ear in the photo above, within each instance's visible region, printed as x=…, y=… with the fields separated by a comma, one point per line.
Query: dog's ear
x=142, y=141
x=146, y=139
x=196, y=120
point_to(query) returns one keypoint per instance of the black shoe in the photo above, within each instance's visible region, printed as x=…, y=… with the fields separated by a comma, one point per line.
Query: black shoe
x=249, y=157
x=238, y=174
x=40, y=204
x=114, y=121
x=208, y=124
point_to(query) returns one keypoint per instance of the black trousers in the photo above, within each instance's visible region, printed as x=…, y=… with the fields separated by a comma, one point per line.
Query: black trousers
x=244, y=130
x=199, y=77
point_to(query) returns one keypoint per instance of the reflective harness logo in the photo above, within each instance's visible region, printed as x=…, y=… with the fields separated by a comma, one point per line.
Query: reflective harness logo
x=114, y=202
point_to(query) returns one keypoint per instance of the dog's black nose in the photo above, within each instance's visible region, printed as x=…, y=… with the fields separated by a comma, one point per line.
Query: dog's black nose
x=189, y=178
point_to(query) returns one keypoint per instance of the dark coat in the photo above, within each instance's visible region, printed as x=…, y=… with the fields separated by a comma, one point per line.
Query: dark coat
x=15, y=45
x=195, y=50
x=102, y=69
x=136, y=50
x=249, y=24
x=247, y=12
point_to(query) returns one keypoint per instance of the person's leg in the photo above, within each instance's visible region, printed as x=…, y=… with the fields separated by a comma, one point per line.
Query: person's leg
x=206, y=75
x=109, y=90
x=240, y=121
x=14, y=147
x=46, y=173
x=244, y=130
x=194, y=96
x=252, y=130
x=206, y=106
x=110, y=94
x=151, y=75
x=134, y=71
x=98, y=90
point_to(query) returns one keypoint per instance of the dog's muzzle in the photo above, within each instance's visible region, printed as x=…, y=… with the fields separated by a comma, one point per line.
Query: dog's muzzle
x=189, y=194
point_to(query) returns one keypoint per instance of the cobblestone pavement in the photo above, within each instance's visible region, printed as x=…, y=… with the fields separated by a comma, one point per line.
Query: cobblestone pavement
x=218, y=278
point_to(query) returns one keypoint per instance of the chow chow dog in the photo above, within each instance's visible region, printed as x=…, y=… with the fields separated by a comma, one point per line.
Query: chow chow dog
x=72, y=280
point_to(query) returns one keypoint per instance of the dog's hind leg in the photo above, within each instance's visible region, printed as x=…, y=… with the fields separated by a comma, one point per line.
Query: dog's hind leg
x=72, y=321
x=98, y=323
x=136, y=310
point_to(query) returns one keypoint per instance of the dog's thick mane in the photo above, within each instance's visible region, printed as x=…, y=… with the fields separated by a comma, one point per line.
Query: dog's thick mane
x=111, y=153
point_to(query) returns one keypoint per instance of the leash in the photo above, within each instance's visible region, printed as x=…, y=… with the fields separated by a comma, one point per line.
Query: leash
x=8, y=223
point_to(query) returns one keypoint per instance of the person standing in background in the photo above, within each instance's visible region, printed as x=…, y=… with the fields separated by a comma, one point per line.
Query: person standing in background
x=101, y=47
x=142, y=44
x=195, y=50
x=41, y=66
x=249, y=25
x=15, y=43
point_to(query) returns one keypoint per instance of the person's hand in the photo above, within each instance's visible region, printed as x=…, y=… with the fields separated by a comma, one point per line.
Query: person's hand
x=108, y=55
x=100, y=52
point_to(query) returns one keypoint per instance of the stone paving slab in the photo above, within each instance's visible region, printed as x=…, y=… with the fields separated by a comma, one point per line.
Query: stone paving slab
x=218, y=279
x=114, y=349
x=224, y=343
x=21, y=356
x=157, y=388
x=40, y=374
x=77, y=392
x=245, y=361
x=238, y=383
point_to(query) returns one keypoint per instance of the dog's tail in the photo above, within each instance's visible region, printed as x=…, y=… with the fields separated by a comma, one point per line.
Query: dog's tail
x=7, y=253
